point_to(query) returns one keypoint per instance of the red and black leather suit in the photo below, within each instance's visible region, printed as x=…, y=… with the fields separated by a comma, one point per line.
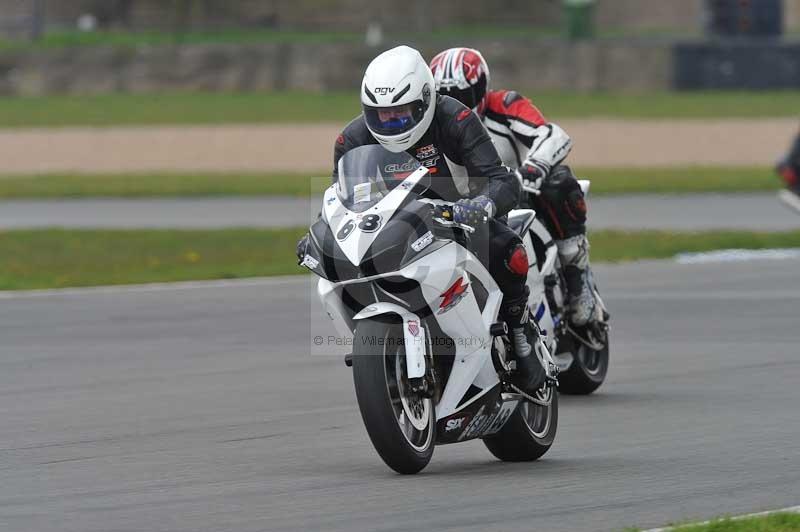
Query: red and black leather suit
x=519, y=131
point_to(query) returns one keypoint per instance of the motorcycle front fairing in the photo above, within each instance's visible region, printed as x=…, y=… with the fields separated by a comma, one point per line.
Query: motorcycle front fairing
x=413, y=254
x=367, y=231
x=354, y=245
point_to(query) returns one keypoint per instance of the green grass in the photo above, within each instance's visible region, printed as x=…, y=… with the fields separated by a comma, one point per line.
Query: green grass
x=129, y=39
x=55, y=258
x=122, y=39
x=622, y=246
x=780, y=522
x=605, y=181
x=160, y=185
x=668, y=105
x=176, y=108
x=294, y=107
x=679, y=180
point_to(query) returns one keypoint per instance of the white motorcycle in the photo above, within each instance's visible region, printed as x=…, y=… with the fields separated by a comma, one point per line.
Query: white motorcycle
x=431, y=362
x=581, y=353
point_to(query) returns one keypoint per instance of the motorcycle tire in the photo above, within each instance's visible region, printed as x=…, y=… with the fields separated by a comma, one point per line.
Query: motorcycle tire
x=587, y=371
x=528, y=434
x=401, y=425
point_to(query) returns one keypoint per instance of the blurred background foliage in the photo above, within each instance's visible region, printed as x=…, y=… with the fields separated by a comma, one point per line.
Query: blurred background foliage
x=69, y=22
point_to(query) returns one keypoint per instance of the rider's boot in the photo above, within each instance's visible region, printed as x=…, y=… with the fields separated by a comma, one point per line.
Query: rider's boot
x=530, y=374
x=574, y=254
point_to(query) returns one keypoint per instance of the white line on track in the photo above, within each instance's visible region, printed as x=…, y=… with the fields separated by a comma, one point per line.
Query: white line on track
x=737, y=255
x=153, y=287
x=708, y=295
x=791, y=509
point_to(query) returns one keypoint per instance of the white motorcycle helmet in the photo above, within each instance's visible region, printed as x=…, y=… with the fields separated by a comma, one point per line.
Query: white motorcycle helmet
x=398, y=98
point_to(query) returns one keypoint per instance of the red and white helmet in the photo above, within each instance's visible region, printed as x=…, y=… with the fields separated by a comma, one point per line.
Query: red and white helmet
x=463, y=74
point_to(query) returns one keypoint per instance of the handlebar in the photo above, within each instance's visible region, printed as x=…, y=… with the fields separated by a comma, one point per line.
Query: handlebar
x=532, y=190
x=446, y=223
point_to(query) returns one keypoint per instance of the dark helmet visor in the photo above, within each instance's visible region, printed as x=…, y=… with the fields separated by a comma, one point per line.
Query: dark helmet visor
x=394, y=120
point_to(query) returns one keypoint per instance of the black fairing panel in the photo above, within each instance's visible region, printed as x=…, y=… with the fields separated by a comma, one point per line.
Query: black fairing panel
x=390, y=250
x=482, y=417
x=392, y=247
x=336, y=266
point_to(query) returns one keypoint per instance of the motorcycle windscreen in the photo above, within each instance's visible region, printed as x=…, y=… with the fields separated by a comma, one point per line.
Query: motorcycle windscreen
x=368, y=173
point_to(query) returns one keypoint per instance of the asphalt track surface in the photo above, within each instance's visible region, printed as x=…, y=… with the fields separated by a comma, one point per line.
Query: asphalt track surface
x=199, y=408
x=733, y=211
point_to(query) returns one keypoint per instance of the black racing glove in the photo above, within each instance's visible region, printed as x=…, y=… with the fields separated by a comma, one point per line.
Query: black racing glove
x=474, y=211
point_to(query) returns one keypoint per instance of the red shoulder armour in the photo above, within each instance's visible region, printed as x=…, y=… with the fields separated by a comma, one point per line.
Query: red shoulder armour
x=514, y=106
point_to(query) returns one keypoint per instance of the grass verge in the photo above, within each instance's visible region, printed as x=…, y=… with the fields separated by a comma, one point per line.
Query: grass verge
x=605, y=181
x=131, y=39
x=55, y=258
x=779, y=522
x=679, y=180
x=621, y=246
x=160, y=185
x=293, y=107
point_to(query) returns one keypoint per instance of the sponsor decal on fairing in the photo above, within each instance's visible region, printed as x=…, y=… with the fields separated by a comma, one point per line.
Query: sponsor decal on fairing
x=453, y=295
x=483, y=424
x=456, y=423
x=309, y=262
x=422, y=242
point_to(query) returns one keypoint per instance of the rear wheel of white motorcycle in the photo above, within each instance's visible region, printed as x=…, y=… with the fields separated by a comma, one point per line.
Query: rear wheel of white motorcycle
x=587, y=371
x=529, y=432
x=400, y=423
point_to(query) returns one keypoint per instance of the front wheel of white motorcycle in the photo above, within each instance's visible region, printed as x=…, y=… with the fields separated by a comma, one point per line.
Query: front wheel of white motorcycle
x=529, y=432
x=400, y=423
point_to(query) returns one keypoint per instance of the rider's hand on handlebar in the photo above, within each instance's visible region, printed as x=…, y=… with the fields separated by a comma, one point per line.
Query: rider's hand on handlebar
x=532, y=173
x=474, y=211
